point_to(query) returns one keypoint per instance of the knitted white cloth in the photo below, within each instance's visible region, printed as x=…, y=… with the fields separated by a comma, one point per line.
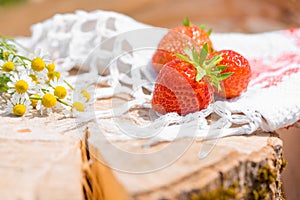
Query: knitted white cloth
x=120, y=48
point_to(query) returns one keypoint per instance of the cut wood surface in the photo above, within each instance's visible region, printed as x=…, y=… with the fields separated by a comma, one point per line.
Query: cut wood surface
x=238, y=167
x=39, y=160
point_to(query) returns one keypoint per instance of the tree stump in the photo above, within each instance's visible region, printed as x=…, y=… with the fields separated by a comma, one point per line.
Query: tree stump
x=238, y=167
x=38, y=160
x=41, y=160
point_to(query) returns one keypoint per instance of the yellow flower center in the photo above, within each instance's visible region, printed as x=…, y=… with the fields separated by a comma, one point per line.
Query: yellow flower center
x=51, y=67
x=38, y=64
x=53, y=74
x=49, y=100
x=19, y=109
x=34, y=78
x=21, y=86
x=5, y=55
x=86, y=94
x=8, y=66
x=78, y=106
x=34, y=102
x=60, y=92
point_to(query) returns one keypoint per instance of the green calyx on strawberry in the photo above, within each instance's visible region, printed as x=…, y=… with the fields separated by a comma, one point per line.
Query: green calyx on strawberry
x=184, y=84
x=207, y=68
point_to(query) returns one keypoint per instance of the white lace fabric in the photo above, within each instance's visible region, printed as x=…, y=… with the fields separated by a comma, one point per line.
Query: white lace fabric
x=272, y=100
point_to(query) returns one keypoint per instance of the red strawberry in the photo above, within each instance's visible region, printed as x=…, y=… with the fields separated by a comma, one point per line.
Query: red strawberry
x=240, y=67
x=176, y=40
x=182, y=84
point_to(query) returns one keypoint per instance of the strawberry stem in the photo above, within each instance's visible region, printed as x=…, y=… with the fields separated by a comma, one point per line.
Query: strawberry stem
x=186, y=22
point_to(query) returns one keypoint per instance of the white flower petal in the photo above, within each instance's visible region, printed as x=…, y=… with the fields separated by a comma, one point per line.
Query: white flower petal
x=10, y=91
x=10, y=84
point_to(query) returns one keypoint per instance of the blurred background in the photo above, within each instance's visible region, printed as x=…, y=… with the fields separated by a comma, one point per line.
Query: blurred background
x=245, y=16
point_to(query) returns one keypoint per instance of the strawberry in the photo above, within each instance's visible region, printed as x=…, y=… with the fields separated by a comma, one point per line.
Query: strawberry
x=240, y=67
x=183, y=84
x=177, y=39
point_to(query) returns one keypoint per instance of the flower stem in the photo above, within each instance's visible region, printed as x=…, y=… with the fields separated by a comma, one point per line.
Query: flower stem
x=70, y=86
x=35, y=98
x=66, y=104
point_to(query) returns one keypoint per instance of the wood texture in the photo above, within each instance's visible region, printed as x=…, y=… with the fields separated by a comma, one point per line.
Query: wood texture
x=38, y=160
x=237, y=168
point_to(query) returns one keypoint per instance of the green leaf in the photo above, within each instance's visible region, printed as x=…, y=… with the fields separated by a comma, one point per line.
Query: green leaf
x=3, y=83
x=219, y=87
x=221, y=67
x=209, y=32
x=200, y=73
x=203, y=54
x=216, y=72
x=202, y=26
x=224, y=76
x=186, y=21
x=182, y=57
x=189, y=53
x=195, y=57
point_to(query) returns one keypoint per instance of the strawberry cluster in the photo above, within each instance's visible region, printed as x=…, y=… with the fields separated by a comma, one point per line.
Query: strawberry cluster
x=191, y=71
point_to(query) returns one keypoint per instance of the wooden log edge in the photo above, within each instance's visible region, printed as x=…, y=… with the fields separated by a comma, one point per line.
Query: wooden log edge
x=99, y=182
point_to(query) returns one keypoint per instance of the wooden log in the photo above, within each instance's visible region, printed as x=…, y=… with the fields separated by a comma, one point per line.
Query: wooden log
x=239, y=167
x=236, y=167
x=41, y=160
x=38, y=160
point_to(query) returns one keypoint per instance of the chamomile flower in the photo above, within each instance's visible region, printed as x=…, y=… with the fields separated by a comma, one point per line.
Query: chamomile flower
x=51, y=67
x=10, y=63
x=21, y=84
x=47, y=103
x=34, y=82
x=49, y=100
x=19, y=105
x=4, y=54
x=40, y=53
x=38, y=78
x=38, y=64
x=79, y=108
x=76, y=106
x=81, y=103
x=59, y=87
x=53, y=75
x=84, y=93
x=8, y=66
x=35, y=100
